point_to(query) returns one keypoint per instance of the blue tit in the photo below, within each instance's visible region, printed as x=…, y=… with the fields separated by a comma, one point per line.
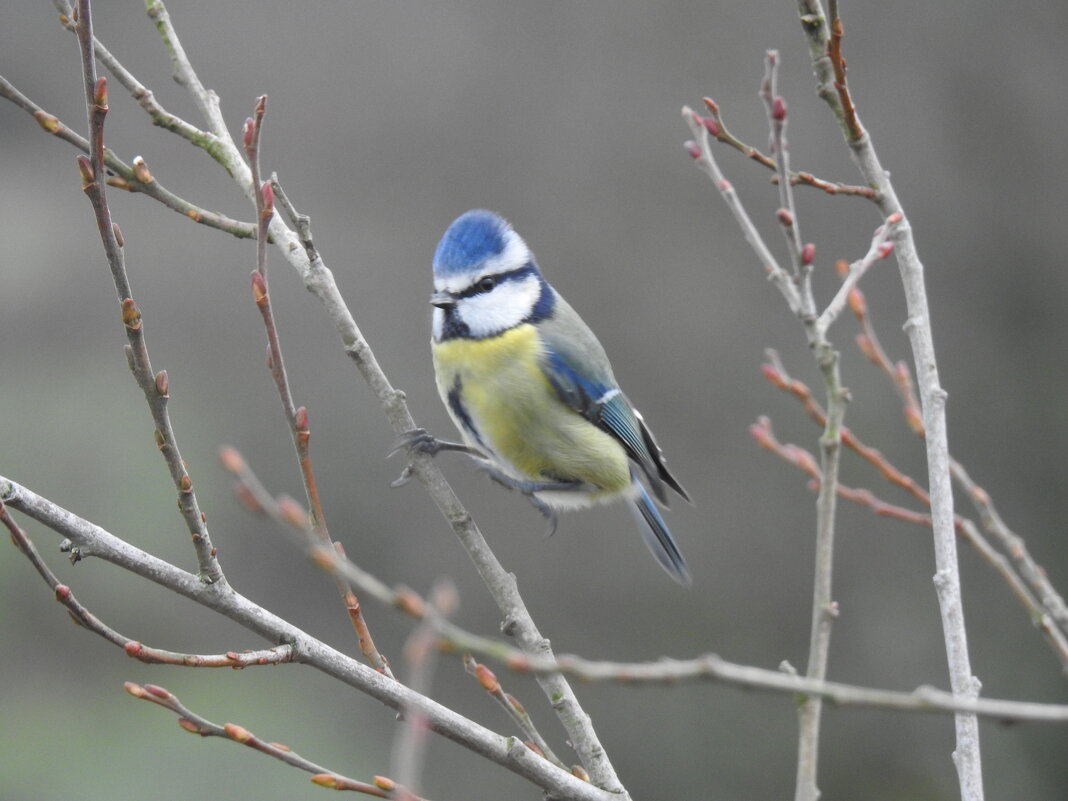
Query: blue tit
x=531, y=389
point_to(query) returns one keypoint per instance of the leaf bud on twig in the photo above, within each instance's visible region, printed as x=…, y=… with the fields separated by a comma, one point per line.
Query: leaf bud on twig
x=857, y=303
x=141, y=171
x=237, y=733
x=267, y=192
x=292, y=512
x=100, y=95
x=131, y=315
x=48, y=121
x=486, y=678
x=300, y=419
x=85, y=169
x=384, y=783
x=259, y=288
x=159, y=692
x=189, y=726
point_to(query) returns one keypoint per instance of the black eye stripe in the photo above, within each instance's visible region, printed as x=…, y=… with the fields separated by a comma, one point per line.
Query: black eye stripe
x=497, y=279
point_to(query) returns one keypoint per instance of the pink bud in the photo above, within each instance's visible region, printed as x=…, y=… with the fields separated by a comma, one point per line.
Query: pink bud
x=785, y=217
x=268, y=197
x=711, y=125
x=808, y=254
x=778, y=109
x=692, y=148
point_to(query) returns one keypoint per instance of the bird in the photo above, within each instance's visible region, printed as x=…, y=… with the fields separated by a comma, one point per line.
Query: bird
x=531, y=390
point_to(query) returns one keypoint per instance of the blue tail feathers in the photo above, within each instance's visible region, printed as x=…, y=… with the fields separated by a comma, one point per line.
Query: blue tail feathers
x=656, y=535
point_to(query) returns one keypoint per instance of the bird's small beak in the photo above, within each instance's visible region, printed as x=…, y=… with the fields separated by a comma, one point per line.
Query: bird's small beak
x=443, y=300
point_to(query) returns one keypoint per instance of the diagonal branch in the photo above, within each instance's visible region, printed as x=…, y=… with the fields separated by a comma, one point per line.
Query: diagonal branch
x=193, y=723
x=125, y=176
x=92, y=540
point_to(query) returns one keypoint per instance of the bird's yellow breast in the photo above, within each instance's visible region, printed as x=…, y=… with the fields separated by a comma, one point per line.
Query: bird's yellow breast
x=499, y=383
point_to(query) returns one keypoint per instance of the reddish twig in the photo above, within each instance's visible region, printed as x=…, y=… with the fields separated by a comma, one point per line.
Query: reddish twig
x=802, y=459
x=774, y=371
x=901, y=378
x=297, y=418
x=834, y=52
x=720, y=133
x=489, y=682
x=196, y=724
x=1036, y=594
x=134, y=649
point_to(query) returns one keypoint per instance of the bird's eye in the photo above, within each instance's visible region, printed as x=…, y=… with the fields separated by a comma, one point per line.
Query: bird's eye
x=487, y=283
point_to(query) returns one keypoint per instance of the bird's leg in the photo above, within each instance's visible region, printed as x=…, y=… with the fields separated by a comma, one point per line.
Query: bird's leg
x=419, y=440
x=529, y=488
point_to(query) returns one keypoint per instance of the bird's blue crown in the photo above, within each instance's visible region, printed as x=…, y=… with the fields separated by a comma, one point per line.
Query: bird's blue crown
x=473, y=238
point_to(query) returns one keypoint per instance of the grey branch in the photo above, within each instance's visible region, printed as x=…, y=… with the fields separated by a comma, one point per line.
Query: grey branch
x=92, y=540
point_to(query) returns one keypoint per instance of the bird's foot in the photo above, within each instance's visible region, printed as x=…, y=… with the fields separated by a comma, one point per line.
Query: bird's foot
x=529, y=489
x=419, y=440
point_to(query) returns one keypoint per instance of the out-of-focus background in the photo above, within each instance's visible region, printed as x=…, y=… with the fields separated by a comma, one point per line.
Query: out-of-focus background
x=388, y=119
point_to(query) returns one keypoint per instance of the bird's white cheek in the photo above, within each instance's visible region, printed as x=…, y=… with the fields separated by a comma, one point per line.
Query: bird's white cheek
x=503, y=308
x=437, y=324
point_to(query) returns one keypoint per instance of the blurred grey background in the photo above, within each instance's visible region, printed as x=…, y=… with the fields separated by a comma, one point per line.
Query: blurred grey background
x=385, y=121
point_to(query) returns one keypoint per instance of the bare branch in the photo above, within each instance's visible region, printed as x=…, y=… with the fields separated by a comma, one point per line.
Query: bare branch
x=124, y=176
x=719, y=131
x=92, y=540
x=155, y=386
x=196, y=724
x=830, y=73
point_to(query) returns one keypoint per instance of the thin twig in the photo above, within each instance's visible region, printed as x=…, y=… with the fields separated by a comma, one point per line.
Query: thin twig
x=1037, y=612
x=296, y=418
x=719, y=131
x=1052, y=602
x=124, y=176
x=134, y=649
x=489, y=682
x=409, y=743
x=882, y=245
x=155, y=386
x=830, y=73
x=701, y=152
x=196, y=724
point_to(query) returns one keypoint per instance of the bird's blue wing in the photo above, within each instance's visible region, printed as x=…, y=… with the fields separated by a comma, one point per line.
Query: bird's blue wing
x=597, y=398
